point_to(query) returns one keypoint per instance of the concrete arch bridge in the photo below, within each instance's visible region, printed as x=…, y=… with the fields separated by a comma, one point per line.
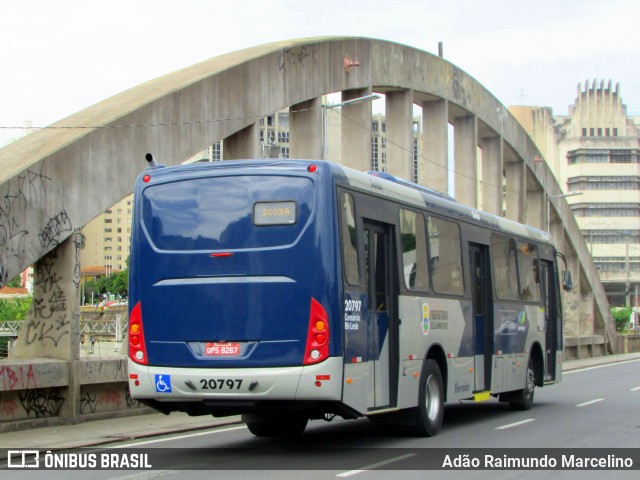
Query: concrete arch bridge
x=56, y=180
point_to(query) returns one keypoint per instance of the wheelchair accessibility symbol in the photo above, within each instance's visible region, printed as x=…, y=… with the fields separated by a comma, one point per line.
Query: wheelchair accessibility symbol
x=163, y=383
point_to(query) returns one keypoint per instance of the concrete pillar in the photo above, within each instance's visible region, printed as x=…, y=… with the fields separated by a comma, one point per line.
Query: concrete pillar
x=557, y=237
x=515, y=190
x=466, y=160
x=435, y=140
x=492, y=168
x=399, y=113
x=52, y=326
x=571, y=301
x=356, y=131
x=537, y=209
x=305, y=130
x=243, y=144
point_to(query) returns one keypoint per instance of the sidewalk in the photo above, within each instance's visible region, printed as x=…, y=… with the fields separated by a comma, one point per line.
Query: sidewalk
x=100, y=432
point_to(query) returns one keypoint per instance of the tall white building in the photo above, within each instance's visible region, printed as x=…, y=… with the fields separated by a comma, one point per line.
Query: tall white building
x=595, y=151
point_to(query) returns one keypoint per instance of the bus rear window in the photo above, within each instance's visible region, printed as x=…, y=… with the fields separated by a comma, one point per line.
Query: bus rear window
x=222, y=212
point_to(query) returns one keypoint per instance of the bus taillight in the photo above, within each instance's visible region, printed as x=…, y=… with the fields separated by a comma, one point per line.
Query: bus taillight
x=137, y=349
x=317, y=348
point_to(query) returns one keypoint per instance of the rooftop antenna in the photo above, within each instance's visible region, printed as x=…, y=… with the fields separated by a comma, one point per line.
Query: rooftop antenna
x=522, y=94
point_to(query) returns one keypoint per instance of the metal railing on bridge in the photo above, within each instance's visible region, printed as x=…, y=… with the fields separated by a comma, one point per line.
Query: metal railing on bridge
x=97, y=336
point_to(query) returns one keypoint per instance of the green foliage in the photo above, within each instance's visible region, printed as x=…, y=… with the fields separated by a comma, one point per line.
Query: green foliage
x=622, y=317
x=14, y=308
x=16, y=282
x=116, y=284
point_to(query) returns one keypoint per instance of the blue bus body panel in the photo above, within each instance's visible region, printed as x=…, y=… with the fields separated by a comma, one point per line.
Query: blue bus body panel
x=223, y=253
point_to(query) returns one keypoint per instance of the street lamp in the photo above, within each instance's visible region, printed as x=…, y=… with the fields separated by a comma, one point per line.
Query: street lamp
x=549, y=197
x=331, y=106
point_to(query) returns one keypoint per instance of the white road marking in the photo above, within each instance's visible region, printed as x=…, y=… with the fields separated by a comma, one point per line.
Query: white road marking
x=375, y=465
x=586, y=369
x=591, y=402
x=178, y=437
x=635, y=389
x=516, y=424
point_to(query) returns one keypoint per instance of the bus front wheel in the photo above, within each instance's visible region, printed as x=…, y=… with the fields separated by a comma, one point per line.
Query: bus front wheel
x=430, y=408
x=274, y=425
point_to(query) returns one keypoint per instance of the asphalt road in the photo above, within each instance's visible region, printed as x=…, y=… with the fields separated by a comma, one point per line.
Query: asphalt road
x=594, y=408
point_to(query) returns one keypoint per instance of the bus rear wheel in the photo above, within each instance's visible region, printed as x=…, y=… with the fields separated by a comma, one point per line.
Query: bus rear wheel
x=264, y=425
x=430, y=410
x=523, y=399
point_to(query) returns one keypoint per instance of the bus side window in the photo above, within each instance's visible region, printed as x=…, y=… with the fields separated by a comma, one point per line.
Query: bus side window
x=528, y=268
x=349, y=239
x=446, y=260
x=414, y=250
x=505, y=271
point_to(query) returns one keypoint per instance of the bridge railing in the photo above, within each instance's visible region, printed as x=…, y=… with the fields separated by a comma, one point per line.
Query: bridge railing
x=99, y=337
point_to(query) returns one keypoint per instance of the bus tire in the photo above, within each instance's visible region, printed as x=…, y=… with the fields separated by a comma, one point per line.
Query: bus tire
x=275, y=426
x=523, y=399
x=430, y=410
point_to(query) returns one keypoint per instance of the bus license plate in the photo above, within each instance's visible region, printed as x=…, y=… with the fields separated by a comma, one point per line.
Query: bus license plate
x=227, y=349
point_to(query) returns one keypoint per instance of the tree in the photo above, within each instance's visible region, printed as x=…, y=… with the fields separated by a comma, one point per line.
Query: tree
x=622, y=317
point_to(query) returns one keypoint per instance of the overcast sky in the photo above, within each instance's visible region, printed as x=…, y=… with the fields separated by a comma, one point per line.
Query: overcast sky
x=60, y=56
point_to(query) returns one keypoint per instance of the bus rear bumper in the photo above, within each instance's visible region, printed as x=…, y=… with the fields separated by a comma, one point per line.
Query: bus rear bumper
x=321, y=382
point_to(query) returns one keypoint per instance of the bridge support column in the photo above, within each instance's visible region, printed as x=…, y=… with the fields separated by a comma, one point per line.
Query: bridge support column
x=466, y=160
x=492, y=178
x=435, y=139
x=52, y=327
x=536, y=209
x=516, y=188
x=243, y=144
x=305, y=129
x=355, y=131
x=399, y=113
x=571, y=301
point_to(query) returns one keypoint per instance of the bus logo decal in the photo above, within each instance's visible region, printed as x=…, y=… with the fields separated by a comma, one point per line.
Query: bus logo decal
x=426, y=323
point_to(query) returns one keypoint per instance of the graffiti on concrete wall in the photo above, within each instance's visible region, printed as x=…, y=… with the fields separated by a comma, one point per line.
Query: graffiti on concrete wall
x=17, y=377
x=98, y=399
x=48, y=318
x=297, y=56
x=41, y=402
x=17, y=196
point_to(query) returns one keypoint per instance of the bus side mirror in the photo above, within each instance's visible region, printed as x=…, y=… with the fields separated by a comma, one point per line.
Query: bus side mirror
x=567, y=283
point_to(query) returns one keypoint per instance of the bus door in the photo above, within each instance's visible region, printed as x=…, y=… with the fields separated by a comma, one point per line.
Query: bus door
x=553, y=331
x=481, y=293
x=382, y=321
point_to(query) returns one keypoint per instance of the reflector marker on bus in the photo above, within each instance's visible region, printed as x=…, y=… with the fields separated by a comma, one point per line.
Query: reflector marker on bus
x=221, y=254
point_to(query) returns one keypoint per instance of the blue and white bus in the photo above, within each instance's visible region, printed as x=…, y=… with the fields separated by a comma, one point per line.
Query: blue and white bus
x=293, y=290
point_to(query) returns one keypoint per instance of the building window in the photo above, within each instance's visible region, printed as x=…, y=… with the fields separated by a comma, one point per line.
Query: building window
x=283, y=137
x=606, y=209
x=216, y=154
x=374, y=154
